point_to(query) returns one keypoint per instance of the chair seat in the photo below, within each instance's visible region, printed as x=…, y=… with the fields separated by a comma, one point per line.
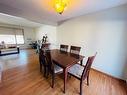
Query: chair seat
x=57, y=69
x=76, y=70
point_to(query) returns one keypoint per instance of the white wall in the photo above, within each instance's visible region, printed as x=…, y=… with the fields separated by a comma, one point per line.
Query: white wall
x=50, y=31
x=29, y=33
x=104, y=32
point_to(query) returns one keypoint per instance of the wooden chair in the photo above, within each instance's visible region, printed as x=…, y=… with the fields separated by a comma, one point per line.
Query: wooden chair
x=63, y=48
x=42, y=61
x=53, y=69
x=82, y=72
x=75, y=49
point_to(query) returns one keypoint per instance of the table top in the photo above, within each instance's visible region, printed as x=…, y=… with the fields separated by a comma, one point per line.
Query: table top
x=65, y=59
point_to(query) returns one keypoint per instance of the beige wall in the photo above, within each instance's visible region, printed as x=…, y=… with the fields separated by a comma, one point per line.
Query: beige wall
x=50, y=31
x=104, y=32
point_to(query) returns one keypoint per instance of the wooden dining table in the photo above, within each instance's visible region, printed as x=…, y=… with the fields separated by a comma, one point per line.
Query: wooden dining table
x=65, y=60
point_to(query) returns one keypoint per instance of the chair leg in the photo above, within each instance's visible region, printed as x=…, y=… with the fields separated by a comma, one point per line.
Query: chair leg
x=48, y=71
x=81, y=84
x=40, y=67
x=44, y=71
x=53, y=79
x=88, y=80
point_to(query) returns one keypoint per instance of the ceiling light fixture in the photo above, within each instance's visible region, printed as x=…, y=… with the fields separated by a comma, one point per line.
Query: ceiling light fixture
x=60, y=6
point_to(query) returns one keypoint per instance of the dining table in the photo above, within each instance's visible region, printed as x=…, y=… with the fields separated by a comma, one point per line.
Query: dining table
x=65, y=60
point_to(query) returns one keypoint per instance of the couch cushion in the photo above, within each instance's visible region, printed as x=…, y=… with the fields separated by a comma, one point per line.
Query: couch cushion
x=8, y=49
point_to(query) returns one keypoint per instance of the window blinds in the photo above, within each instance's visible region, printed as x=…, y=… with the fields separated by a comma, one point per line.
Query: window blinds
x=11, y=35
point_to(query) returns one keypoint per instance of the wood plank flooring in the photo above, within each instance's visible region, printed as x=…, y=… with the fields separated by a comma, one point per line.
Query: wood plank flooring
x=21, y=76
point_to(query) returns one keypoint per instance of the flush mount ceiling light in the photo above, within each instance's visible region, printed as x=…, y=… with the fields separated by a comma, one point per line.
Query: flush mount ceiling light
x=60, y=6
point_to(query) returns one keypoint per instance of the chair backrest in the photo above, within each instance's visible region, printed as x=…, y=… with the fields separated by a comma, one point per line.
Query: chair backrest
x=75, y=49
x=42, y=57
x=49, y=59
x=88, y=66
x=63, y=47
x=40, y=54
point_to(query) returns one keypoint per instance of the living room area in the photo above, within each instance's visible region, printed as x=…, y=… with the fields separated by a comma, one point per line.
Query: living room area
x=18, y=40
x=12, y=39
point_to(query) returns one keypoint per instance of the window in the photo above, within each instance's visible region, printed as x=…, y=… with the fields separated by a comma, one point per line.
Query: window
x=11, y=35
x=8, y=39
x=20, y=39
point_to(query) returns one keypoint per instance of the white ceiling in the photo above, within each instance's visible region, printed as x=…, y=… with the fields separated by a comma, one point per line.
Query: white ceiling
x=13, y=20
x=42, y=11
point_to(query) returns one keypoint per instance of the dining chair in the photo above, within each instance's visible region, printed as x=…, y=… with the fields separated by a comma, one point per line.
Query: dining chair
x=53, y=69
x=43, y=63
x=75, y=49
x=63, y=47
x=82, y=72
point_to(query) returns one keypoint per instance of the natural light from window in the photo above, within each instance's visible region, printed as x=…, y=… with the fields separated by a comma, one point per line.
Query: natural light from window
x=8, y=39
x=12, y=39
x=20, y=39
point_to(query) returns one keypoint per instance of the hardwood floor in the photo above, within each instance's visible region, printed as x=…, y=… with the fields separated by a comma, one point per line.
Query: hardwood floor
x=26, y=79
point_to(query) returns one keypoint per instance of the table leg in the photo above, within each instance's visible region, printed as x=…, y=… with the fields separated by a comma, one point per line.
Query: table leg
x=65, y=78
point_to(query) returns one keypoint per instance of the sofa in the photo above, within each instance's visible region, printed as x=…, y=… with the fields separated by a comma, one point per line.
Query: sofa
x=9, y=50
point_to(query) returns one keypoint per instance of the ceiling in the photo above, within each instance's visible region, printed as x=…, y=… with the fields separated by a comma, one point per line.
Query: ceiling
x=42, y=11
x=13, y=20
